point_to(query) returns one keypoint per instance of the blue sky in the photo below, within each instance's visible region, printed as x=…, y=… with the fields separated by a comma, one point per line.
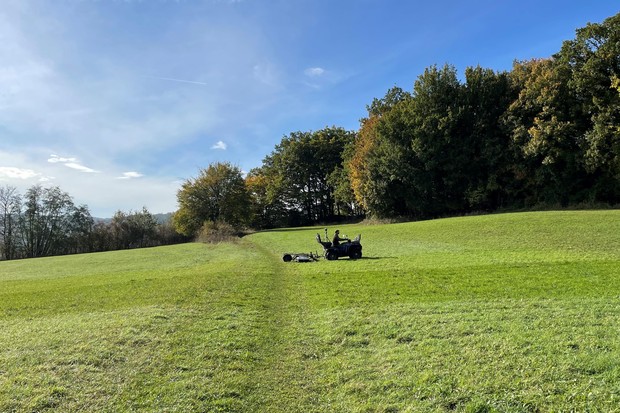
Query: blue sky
x=118, y=102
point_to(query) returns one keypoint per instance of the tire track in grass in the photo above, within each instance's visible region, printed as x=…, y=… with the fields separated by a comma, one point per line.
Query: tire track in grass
x=284, y=377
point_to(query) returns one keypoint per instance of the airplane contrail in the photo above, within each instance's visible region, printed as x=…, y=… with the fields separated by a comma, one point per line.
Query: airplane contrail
x=178, y=80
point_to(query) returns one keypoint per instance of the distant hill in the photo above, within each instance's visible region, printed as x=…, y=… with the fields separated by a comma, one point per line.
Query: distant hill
x=163, y=218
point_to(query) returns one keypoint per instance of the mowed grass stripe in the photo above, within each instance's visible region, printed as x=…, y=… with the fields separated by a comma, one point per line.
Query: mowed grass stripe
x=285, y=376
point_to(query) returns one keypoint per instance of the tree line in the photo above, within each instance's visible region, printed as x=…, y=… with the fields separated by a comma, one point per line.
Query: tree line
x=45, y=222
x=544, y=134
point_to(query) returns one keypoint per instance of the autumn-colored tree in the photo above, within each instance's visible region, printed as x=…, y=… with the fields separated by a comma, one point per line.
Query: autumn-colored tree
x=548, y=131
x=368, y=161
x=357, y=163
x=267, y=207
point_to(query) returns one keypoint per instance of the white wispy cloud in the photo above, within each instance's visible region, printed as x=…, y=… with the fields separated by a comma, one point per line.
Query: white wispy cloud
x=71, y=163
x=95, y=107
x=266, y=73
x=17, y=173
x=80, y=168
x=130, y=175
x=220, y=145
x=179, y=80
x=20, y=170
x=314, y=71
x=58, y=159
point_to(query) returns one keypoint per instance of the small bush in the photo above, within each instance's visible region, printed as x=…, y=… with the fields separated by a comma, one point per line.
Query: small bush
x=216, y=232
x=374, y=220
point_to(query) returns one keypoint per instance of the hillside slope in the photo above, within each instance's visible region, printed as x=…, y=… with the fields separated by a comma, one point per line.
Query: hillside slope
x=514, y=312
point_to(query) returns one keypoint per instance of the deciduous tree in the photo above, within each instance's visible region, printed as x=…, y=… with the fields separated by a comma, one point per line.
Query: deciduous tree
x=217, y=194
x=44, y=221
x=594, y=67
x=300, y=167
x=10, y=206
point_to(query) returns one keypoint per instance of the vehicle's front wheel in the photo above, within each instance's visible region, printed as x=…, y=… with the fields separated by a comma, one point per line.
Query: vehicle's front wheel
x=331, y=255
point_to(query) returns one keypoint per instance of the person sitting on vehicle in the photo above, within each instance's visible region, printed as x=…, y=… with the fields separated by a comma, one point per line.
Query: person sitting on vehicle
x=336, y=241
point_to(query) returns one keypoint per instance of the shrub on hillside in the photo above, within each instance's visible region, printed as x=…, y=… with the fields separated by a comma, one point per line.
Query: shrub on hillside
x=213, y=232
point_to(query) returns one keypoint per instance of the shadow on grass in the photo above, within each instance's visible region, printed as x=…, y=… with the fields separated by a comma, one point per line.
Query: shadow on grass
x=372, y=258
x=293, y=229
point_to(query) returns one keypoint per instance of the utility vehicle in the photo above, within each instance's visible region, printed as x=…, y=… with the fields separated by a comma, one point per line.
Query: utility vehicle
x=351, y=249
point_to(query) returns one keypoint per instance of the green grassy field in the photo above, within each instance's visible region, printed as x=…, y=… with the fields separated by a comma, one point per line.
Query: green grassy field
x=507, y=313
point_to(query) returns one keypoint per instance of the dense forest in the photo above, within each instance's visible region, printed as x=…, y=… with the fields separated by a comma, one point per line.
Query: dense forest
x=544, y=134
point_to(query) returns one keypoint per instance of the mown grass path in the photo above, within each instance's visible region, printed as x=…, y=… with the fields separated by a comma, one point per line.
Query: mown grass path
x=284, y=378
x=505, y=313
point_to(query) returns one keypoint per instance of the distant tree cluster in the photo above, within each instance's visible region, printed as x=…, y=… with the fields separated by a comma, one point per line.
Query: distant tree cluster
x=301, y=182
x=545, y=134
x=45, y=222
